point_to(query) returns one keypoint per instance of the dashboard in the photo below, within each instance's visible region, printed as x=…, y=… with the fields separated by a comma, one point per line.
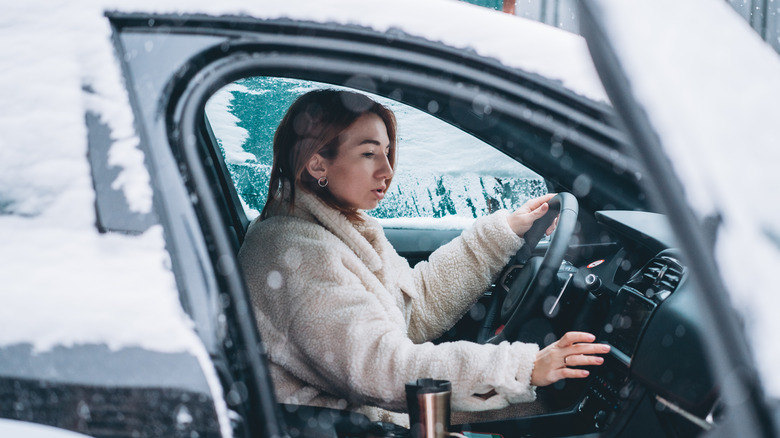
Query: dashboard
x=656, y=378
x=637, y=298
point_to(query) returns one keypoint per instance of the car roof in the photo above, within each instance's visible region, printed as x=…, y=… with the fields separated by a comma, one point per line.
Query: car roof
x=516, y=42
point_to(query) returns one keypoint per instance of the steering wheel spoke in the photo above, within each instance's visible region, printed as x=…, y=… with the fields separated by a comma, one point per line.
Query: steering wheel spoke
x=529, y=290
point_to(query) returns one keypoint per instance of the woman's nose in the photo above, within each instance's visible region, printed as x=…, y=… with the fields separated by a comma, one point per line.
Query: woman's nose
x=386, y=170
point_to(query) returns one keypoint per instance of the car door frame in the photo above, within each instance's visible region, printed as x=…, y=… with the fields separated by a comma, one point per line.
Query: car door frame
x=364, y=60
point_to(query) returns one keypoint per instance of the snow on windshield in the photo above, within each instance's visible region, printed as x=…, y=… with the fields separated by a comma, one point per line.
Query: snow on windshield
x=711, y=87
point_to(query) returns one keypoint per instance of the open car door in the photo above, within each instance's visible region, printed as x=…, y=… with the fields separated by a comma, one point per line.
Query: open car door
x=695, y=88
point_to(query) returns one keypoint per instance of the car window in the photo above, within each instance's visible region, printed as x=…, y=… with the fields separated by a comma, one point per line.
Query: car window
x=444, y=176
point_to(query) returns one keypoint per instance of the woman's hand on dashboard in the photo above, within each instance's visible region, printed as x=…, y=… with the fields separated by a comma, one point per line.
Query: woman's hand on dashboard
x=574, y=349
x=520, y=220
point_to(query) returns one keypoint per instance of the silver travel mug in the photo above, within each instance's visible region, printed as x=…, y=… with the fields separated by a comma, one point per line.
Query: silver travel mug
x=428, y=401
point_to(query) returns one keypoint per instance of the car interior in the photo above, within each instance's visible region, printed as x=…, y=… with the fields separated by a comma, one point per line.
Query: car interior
x=612, y=272
x=610, y=269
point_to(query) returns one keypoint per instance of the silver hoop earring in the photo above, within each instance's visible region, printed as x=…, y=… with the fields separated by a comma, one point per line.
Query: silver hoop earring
x=322, y=182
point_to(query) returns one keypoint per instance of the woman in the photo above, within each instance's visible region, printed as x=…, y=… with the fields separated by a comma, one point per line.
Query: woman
x=344, y=318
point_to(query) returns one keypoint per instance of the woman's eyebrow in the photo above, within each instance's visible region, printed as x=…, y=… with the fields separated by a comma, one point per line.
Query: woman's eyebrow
x=371, y=141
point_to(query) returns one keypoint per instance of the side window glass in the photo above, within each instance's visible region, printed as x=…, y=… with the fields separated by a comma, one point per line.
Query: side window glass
x=444, y=176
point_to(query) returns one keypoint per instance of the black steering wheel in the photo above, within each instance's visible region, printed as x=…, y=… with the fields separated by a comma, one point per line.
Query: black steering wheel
x=526, y=294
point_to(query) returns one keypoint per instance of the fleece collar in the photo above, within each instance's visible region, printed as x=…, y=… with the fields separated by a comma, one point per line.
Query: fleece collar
x=360, y=238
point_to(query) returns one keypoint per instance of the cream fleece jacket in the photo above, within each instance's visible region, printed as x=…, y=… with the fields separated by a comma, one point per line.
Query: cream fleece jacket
x=346, y=322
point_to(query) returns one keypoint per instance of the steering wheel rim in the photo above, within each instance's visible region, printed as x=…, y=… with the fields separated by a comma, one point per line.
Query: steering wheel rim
x=564, y=206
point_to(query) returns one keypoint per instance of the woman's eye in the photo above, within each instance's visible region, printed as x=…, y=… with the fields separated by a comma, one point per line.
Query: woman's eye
x=368, y=154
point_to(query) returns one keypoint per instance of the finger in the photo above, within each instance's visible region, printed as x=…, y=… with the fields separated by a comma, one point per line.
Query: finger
x=570, y=338
x=581, y=360
x=588, y=349
x=540, y=211
x=535, y=203
x=573, y=373
x=552, y=227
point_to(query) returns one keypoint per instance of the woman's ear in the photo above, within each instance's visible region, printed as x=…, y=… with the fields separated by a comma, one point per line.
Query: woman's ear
x=317, y=166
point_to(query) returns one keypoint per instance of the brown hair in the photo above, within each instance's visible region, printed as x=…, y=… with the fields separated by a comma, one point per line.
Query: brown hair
x=311, y=126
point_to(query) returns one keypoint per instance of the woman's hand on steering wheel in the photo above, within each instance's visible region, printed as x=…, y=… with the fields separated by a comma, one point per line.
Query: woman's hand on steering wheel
x=527, y=293
x=521, y=219
x=573, y=349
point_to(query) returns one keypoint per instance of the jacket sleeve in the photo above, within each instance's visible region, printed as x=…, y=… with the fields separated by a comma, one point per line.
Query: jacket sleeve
x=330, y=328
x=456, y=275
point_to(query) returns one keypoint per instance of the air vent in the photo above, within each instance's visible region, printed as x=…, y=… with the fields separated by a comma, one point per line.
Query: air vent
x=660, y=277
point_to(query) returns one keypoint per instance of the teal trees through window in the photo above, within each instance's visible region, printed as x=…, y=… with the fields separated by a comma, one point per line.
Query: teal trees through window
x=444, y=176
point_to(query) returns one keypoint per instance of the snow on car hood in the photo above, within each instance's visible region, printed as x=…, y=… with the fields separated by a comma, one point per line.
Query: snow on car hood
x=710, y=87
x=87, y=287
x=14, y=428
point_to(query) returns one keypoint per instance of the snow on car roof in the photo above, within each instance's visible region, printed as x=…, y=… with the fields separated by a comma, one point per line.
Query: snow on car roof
x=515, y=41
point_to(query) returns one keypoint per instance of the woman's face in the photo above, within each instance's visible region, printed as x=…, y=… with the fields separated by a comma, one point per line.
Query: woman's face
x=358, y=175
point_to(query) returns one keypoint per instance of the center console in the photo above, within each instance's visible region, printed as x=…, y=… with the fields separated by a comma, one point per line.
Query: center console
x=611, y=396
x=612, y=390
